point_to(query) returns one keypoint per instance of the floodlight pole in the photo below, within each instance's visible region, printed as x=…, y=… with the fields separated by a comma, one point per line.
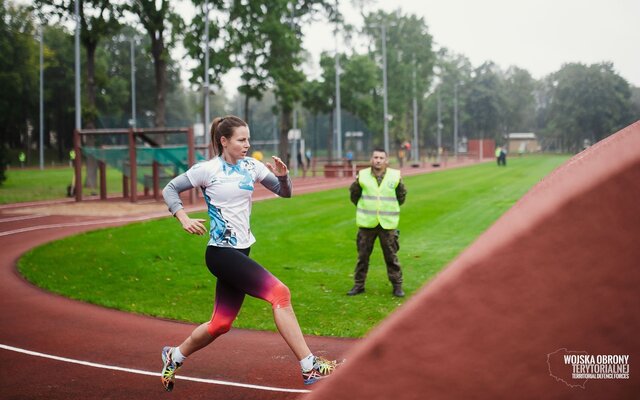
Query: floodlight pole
x=414, y=148
x=77, y=70
x=439, y=137
x=207, y=136
x=384, y=85
x=41, y=100
x=133, y=84
x=455, y=120
x=338, y=107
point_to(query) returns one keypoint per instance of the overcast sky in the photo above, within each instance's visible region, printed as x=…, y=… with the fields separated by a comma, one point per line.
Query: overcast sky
x=537, y=35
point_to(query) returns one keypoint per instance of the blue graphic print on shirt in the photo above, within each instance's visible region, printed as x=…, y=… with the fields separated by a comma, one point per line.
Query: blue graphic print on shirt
x=244, y=168
x=219, y=233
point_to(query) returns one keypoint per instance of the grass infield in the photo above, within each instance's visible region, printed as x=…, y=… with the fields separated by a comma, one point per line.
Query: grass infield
x=32, y=184
x=307, y=241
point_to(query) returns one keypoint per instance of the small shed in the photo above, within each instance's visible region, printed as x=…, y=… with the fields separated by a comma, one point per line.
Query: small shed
x=520, y=143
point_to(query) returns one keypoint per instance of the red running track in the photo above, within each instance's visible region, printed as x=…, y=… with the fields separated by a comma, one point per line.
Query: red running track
x=56, y=348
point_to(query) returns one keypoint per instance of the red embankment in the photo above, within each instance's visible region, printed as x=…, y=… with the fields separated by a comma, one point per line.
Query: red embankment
x=559, y=274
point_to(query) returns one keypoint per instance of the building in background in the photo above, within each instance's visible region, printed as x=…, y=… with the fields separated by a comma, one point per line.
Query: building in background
x=522, y=143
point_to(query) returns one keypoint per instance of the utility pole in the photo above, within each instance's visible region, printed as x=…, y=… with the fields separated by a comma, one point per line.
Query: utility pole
x=439, y=138
x=384, y=85
x=77, y=69
x=133, y=84
x=455, y=120
x=41, y=99
x=338, y=106
x=414, y=148
x=207, y=136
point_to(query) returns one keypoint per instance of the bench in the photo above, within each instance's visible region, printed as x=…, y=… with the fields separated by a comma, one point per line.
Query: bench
x=342, y=170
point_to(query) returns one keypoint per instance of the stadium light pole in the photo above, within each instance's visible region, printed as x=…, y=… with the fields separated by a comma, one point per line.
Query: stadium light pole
x=384, y=85
x=338, y=107
x=41, y=142
x=455, y=120
x=439, y=137
x=414, y=148
x=206, y=78
x=133, y=84
x=77, y=66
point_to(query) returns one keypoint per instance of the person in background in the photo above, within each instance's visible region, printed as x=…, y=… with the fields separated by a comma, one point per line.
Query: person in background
x=72, y=157
x=307, y=155
x=257, y=155
x=227, y=182
x=502, y=159
x=349, y=158
x=378, y=192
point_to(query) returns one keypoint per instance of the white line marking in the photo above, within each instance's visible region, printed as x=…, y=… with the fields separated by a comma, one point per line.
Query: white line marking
x=149, y=373
x=23, y=217
x=84, y=223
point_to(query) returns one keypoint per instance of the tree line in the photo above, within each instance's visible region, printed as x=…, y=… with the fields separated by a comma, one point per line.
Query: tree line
x=263, y=39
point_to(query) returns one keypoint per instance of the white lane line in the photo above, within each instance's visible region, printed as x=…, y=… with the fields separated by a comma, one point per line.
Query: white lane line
x=23, y=217
x=149, y=373
x=84, y=223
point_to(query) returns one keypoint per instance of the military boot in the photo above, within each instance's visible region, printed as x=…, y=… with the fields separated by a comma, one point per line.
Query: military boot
x=397, y=290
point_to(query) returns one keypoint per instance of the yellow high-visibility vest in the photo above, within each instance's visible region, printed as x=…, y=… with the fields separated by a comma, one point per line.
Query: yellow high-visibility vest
x=378, y=203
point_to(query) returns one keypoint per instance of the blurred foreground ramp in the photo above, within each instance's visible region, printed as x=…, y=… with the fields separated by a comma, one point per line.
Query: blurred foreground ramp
x=558, y=274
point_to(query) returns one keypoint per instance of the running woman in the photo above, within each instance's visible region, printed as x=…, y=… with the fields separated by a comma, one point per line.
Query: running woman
x=227, y=182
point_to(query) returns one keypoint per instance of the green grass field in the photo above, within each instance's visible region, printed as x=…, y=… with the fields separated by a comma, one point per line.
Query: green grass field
x=32, y=184
x=307, y=241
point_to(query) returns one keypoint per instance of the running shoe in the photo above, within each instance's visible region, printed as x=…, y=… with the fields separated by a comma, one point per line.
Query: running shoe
x=321, y=369
x=169, y=368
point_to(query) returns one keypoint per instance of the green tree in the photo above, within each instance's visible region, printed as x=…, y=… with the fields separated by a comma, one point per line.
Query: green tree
x=282, y=29
x=450, y=85
x=115, y=83
x=485, y=103
x=219, y=45
x=164, y=27
x=520, y=103
x=358, y=81
x=98, y=19
x=59, y=88
x=18, y=75
x=587, y=103
x=408, y=49
x=248, y=41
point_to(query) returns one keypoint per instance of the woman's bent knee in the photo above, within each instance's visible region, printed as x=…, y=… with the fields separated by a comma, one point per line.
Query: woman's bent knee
x=281, y=296
x=216, y=328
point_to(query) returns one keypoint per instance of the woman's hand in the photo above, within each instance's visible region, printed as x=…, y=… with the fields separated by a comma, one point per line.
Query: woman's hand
x=280, y=168
x=193, y=226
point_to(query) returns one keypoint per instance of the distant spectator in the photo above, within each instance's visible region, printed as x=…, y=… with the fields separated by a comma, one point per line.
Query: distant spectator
x=301, y=163
x=257, y=155
x=501, y=154
x=307, y=155
x=349, y=158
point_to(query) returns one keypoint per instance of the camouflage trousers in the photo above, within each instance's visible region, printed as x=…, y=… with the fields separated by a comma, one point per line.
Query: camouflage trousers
x=390, y=245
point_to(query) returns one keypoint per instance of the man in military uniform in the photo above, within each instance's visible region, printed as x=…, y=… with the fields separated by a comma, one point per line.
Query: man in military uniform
x=378, y=192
